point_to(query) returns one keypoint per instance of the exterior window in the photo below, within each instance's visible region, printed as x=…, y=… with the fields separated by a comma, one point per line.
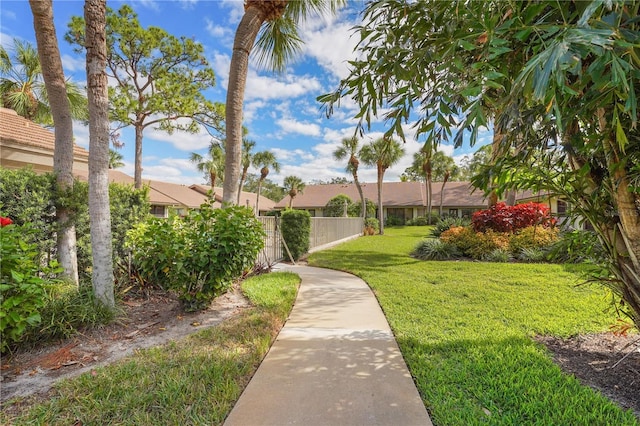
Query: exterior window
x=563, y=208
x=157, y=211
x=468, y=212
x=312, y=212
x=453, y=212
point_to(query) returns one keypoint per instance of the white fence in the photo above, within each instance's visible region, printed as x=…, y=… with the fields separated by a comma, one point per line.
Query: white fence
x=324, y=231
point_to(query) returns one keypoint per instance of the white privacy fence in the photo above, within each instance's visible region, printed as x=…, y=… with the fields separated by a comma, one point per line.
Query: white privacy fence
x=324, y=231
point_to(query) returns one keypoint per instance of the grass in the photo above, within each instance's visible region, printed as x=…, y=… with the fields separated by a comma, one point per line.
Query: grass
x=196, y=380
x=465, y=331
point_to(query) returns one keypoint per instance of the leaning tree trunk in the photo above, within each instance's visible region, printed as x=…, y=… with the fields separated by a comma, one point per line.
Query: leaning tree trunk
x=55, y=85
x=498, y=138
x=627, y=231
x=243, y=43
x=429, y=197
x=444, y=182
x=98, y=97
x=363, y=202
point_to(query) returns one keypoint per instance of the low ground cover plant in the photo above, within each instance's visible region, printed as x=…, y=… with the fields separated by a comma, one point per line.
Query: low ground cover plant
x=465, y=330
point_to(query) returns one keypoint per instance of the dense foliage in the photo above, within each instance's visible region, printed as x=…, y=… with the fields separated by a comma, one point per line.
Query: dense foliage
x=23, y=282
x=296, y=229
x=338, y=206
x=197, y=256
x=27, y=197
x=503, y=218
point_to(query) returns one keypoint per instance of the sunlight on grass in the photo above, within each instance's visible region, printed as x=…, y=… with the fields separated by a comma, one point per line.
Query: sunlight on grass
x=196, y=380
x=465, y=331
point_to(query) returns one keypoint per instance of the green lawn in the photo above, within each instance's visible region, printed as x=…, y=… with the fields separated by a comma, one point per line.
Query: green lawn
x=465, y=331
x=194, y=381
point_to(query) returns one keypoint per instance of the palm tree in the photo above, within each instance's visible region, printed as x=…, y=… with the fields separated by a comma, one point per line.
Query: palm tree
x=115, y=159
x=422, y=165
x=264, y=160
x=213, y=166
x=382, y=153
x=444, y=168
x=247, y=160
x=55, y=86
x=22, y=87
x=277, y=23
x=293, y=185
x=349, y=148
x=99, y=152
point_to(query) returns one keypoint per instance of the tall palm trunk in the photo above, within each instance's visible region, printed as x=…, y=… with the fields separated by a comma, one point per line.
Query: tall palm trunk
x=258, y=197
x=54, y=80
x=444, y=182
x=98, y=96
x=243, y=43
x=243, y=177
x=380, y=212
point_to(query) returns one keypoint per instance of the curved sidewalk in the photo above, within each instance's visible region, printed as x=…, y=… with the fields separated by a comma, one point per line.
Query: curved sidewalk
x=335, y=362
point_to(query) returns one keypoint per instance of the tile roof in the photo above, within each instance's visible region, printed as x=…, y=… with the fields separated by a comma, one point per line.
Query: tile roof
x=246, y=198
x=18, y=129
x=394, y=194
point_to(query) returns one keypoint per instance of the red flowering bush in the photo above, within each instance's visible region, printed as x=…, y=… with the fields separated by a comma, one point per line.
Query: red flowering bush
x=4, y=221
x=503, y=218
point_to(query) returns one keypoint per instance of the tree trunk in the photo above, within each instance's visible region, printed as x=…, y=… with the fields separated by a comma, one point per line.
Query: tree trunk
x=258, y=197
x=98, y=97
x=429, y=197
x=380, y=212
x=243, y=177
x=444, y=182
x=243, y=43
x=55, y=85
x=498, y=137
x=362, y=200
x=137, y=173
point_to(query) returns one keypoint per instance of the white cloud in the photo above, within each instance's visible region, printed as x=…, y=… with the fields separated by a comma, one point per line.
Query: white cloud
x=331, y=45
x=237, y=10
x=217, y=31
x=73, y=63
x=183, y=141
x=81, y=134
x=290, y=125
x=188, y=4
x=150, y=4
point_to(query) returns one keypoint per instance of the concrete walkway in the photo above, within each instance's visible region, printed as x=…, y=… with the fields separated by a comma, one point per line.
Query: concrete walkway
x=335, y=362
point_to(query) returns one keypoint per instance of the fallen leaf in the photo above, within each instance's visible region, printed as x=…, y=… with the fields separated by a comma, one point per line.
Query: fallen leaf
x=195, y=323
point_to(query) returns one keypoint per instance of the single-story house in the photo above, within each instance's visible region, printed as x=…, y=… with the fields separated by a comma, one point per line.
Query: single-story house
x=247, y=199
x=24, y=143
x=404, y=200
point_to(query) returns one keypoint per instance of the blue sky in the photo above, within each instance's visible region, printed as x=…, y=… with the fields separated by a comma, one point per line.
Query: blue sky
x=281, y=112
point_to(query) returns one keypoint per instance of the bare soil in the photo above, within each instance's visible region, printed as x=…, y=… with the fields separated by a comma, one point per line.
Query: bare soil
x=146, y=322
x=605, y=362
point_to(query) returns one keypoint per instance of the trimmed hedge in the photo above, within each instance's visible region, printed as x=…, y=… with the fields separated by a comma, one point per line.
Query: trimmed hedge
x=296, y=230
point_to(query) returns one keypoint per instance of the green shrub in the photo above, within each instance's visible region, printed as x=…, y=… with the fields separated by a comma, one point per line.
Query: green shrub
x=448, y=222
x=576, y=246
x=433, y=249
x=197, y=256
x=66, y=312
x=476, y=245
x=418, y=221
x=296, y=230
x=336, y=206
x=355, y=209
x=371, y=226
x=393, y=221
x=28, y=197
x=23, y=283
x=498, y=255
x=532, y=237
x=532, y=255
